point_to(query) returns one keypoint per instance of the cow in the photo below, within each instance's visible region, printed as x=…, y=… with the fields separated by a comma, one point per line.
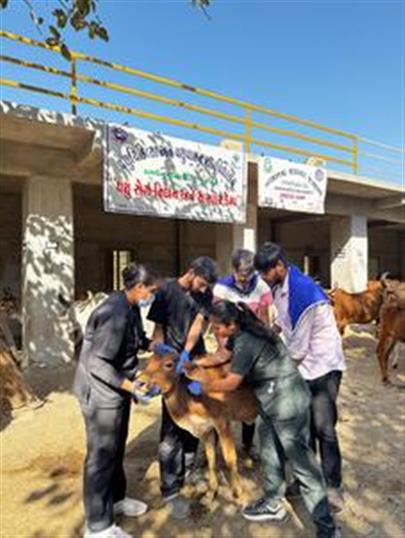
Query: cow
x=392, y=324
x=205, y=415
x=361, y=307
x=78, y=313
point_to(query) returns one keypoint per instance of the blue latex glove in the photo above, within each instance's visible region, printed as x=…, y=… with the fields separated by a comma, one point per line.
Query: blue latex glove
x=184, y=357
x=194, y=388
x=144, y=398
x=163, y=349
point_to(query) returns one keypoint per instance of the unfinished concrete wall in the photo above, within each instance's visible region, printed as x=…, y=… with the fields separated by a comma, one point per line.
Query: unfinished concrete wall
x=164, y=244
x=385, y=248
x=10, y=241
x=300, y=239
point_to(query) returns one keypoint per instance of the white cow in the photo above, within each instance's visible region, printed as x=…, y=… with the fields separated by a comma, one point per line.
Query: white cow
x=78, y=313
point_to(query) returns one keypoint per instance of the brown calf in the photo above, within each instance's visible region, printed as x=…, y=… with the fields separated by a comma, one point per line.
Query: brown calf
x=357, y=307
x=392, y=324
x=205, y=415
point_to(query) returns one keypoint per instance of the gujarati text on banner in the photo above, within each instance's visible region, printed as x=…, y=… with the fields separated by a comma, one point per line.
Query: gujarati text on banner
x=152, y=174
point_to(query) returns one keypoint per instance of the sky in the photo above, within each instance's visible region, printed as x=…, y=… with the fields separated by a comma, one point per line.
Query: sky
x=339, y=63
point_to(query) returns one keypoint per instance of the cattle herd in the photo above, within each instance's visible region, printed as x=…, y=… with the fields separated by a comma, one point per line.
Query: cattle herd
x=383, y=302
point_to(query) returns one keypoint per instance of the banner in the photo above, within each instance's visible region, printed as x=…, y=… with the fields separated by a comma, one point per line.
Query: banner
x=291, y=186
x=152, y=174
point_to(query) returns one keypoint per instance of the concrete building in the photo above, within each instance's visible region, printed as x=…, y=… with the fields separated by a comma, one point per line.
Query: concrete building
x=56, y=239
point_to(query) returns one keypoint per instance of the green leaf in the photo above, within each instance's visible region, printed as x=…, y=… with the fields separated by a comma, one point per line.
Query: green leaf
x=65, y=52
x=54, y=31
x=61, y=17
x=78, y=22
x=102, y=33
x=83, y=7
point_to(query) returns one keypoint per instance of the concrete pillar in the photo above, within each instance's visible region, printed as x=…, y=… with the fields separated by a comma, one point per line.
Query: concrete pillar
x=47, y=269
x=229, y=237
x=349, y=253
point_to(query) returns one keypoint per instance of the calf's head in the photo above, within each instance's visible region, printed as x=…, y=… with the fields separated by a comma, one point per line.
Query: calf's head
x=160, y=371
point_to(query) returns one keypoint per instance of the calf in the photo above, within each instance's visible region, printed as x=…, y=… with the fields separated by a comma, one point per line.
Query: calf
x=203, y=416
x=357, y=307
x=392, y=324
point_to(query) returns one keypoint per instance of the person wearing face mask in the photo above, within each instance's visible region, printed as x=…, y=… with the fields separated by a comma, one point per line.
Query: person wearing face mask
x=180, y=312
x=105, y=385
x=306, y=321
x=245, y=285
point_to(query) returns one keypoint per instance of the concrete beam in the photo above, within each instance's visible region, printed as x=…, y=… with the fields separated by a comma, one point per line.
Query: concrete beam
x=337, y=204
x=390, y=202
x=27, y=160
x=22, y=131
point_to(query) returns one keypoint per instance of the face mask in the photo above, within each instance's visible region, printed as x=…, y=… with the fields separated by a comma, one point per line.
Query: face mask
x=143, y=303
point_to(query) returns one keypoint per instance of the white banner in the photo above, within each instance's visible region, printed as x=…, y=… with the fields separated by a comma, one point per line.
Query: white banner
x=152, y=174
x=291, y=186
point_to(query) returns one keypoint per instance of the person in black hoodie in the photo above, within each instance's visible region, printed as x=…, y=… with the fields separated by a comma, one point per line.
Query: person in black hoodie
x=105, y=385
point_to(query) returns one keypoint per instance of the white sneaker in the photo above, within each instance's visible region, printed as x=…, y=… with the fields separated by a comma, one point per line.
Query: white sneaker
x=130, y=507
x=112, y=532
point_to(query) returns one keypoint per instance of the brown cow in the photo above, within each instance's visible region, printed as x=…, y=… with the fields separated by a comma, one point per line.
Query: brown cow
x=205, y=415
x=392, y=324
x=357, y=307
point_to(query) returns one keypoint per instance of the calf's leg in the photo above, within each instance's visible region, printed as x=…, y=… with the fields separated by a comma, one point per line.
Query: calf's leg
x=209, y=445
x=384, y=348
x=230, y=457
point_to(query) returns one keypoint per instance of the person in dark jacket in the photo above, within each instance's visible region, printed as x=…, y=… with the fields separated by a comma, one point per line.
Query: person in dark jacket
x=260, y=358
x=104, y=384
x=181, y=311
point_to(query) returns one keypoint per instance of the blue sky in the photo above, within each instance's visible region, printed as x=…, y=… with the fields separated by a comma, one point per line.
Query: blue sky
x=337, y=63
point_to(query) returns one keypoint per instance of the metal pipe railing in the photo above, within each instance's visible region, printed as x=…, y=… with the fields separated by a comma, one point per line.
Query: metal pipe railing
x=245, y=120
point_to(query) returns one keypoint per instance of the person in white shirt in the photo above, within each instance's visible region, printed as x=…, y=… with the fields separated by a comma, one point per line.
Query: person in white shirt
x=306, y=321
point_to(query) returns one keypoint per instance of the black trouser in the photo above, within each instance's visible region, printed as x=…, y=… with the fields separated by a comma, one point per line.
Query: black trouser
x=104, y=476
x=177, y=451
x=248, y=433
x=324, y=392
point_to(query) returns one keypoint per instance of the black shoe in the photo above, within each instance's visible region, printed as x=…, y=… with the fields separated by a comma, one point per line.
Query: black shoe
x=261, y=510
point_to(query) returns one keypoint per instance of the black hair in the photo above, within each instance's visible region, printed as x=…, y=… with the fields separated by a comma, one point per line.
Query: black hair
x=243, y=260
x=268, y=256
x=135, y=274
x=227, y=312
x=206, y=268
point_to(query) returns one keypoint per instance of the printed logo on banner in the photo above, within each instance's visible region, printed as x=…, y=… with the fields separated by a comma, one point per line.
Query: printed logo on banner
x=291, y=186
x=152, y=174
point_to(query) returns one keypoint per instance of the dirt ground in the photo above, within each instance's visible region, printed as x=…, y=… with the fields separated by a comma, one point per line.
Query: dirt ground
x=42, y=453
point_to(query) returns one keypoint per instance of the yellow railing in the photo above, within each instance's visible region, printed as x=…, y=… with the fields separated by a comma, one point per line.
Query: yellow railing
x=343, y=151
